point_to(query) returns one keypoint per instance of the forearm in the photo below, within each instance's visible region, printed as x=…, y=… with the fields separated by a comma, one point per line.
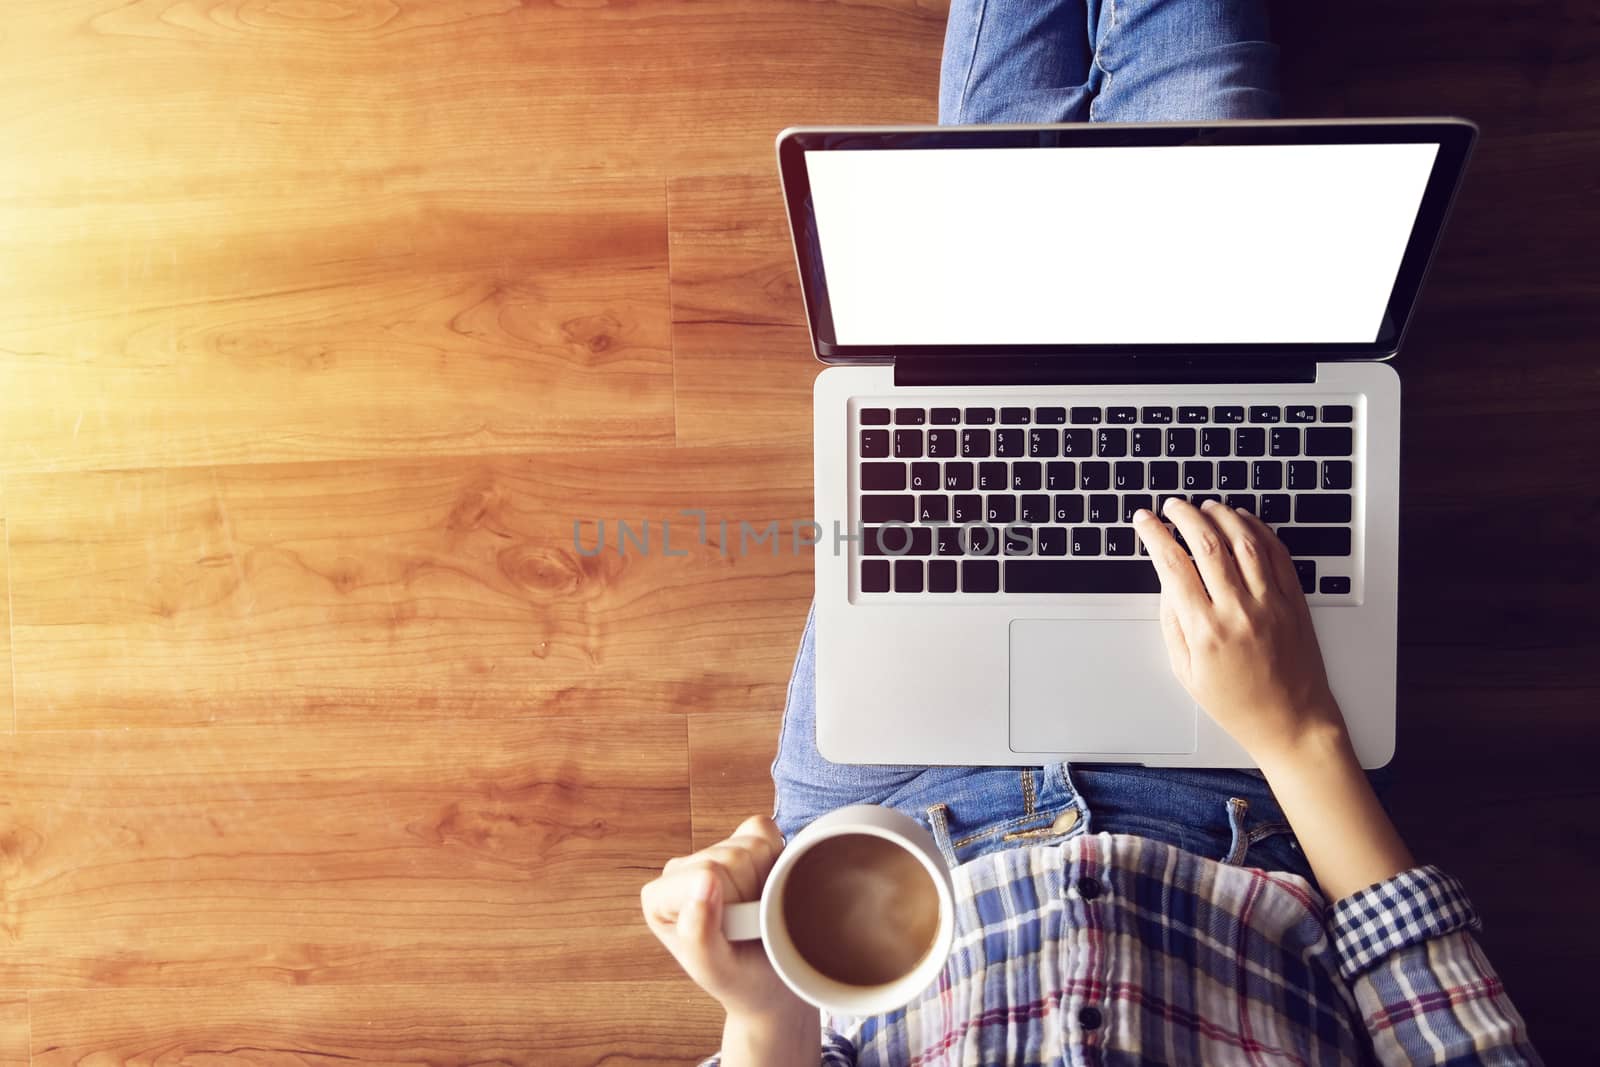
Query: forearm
x=791, y=1038
x=1324, y=793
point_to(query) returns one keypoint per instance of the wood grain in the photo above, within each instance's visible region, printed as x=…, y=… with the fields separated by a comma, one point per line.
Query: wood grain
x=15, y=1048
x=404, y=591
x=730, y=756
x=533, y=1023
x=340, y=853
x=7, y=718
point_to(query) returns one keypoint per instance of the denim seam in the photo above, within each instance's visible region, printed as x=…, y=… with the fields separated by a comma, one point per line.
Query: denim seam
x=972, y=63
x=994, y=829
x=1029, y=798
x=1111, y=6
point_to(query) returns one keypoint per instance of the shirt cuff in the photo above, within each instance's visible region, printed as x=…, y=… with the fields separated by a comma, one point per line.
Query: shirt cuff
x=1409, y=908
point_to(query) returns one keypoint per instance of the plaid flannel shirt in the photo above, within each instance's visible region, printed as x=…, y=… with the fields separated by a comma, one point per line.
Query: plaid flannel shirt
x=1121, y=950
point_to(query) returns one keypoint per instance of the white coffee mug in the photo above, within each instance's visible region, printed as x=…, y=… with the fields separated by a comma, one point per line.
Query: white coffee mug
x=764, y=919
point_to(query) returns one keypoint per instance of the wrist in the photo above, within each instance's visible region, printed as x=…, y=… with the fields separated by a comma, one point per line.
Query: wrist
x=1317, y=743
x=787, y=1032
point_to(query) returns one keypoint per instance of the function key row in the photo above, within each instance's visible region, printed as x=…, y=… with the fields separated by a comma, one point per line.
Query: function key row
x=1117, y=416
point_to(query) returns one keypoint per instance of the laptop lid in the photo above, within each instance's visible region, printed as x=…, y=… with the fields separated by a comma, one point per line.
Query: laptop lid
x=1255, y=244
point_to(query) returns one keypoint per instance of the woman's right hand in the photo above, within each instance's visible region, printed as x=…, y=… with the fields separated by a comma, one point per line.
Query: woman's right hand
x=1237, y=628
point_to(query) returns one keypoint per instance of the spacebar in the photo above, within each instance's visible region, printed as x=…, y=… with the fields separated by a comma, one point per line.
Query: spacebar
x=1081, y=576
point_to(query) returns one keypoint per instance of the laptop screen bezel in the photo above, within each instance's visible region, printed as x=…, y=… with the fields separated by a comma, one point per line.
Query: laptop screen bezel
x=1454, y=137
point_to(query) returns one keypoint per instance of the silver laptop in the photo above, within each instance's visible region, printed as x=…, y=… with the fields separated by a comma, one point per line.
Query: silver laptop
x=1034, y=331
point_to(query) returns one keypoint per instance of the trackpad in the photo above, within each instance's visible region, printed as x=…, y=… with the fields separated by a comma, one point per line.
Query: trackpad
x=1096, y=685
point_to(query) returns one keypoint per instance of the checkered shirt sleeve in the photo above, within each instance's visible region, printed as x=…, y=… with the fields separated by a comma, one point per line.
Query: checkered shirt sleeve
x=1405, y=910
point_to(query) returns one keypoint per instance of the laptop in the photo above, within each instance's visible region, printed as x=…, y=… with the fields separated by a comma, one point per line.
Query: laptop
x=1033, y=331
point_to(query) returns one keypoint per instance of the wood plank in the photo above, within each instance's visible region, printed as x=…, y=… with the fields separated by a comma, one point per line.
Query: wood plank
x=730, y=753
x=525, y=1022
x=7, y=714
x=15, y=1047
x=341, y=854
x=206, y=330
x=404, y=591
x=741, y=351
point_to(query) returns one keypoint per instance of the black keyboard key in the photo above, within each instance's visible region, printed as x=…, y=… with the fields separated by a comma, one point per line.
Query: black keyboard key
x=1192, y=414
x=1285, y=440
x=1120, y=541
x=942, y=444
x=1133, y=502
x=1096, y=476
x=933, y=509
x=982, y=540
x=980, y=576
x=947, y=541
x=1126, y=475
x=966, y=508
x=910, y=416
x=1085, y=416
x=1322, y=507
x=1306, y=570
x=1161, y=502
x=1216, y=441
x=1068, y=509
x=1300, y=413
x=908, y=444
x=874, y=416
x=925, y=477
x=1052, y=541
x=908, y=576
x=1103, y=507
x=1025, y=475
x=897, y=541
x=1197, y=475
x=1085, y=541
x=1275, y=507
x=1147, y=443
x=1316, y=540
x=883, y=477
x=878, y=508
x=1081, y=576
x=1010, y=443
x=1000, y=509
x=1329, y=441
x=993, y=477
x=1247, y=501
x=1233, y=475
x=1016, y=416
x=1155, y=415
x=975, y=444
x=942, y=577
x=1122, y=416
x=957, y=476
x=1077, y=443
x=1250, y=441
x=1338, y=413
x=1059, y=476
x=1164, y=475
x=1336, y=474
x=1266, y=474
x=1265, y=413
x=874, y=444
x=1035, y=508
x=1302, y=474
x=945, y=416
x=1180, y=441
x=1335, y=586
x=1019, y=542
x=874, y=576
x=1227, y=414
x=1044, y=444
x=1200, y=498
x=980, y=416
x=1111, y=442
x=1050, y=416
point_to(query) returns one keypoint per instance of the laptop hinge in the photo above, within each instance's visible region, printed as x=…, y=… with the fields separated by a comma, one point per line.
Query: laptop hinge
x=1091, y=370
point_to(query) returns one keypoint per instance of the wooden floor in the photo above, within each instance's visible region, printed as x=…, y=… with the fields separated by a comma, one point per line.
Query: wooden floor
x=322, y=324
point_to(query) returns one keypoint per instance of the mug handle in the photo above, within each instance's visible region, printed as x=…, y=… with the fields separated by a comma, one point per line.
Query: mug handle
x=742, y=922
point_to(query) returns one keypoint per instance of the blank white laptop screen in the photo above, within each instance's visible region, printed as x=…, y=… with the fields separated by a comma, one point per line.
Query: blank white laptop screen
x=1213, y=244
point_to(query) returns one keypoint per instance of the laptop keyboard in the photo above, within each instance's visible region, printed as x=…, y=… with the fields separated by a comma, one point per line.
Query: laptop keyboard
x=1029, y=499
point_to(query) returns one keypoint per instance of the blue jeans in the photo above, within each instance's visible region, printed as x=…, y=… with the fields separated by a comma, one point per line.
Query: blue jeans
x=1065, y=61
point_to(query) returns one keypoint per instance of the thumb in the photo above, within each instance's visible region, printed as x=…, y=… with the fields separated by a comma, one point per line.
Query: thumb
x=700, y=928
